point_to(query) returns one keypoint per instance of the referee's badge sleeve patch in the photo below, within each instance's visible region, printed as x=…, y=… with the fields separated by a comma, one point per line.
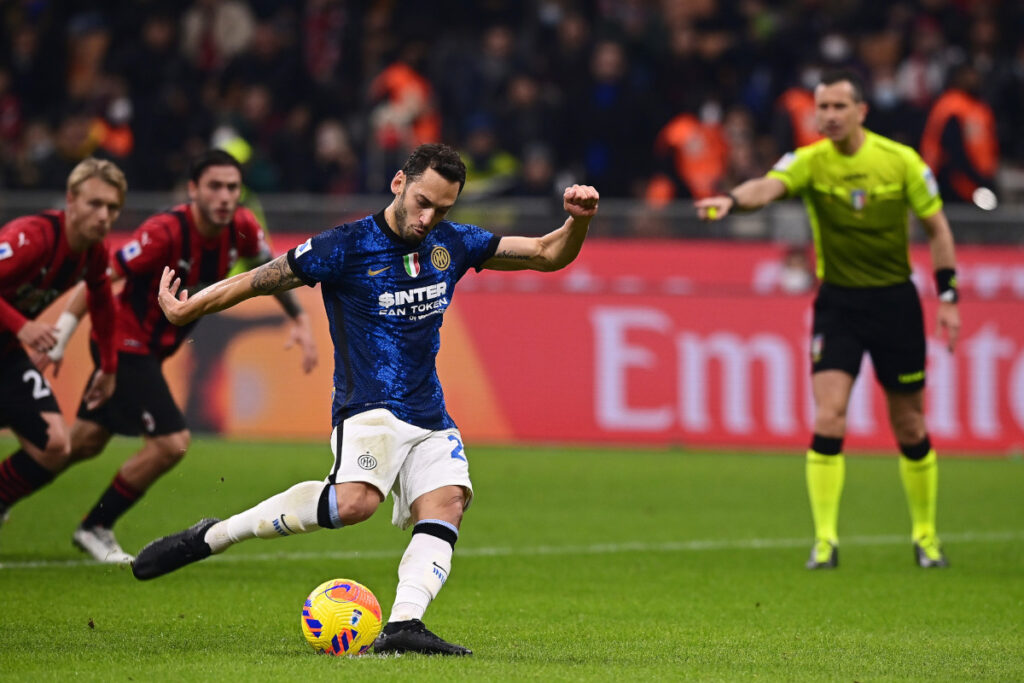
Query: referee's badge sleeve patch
x=784, y=162
x=929, y=181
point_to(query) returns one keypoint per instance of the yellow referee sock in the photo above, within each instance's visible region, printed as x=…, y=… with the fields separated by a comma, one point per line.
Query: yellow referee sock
x=825, y=475
x=921, y=484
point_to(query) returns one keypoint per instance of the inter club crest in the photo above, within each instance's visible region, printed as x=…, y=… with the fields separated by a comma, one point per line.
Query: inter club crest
x=440, y=258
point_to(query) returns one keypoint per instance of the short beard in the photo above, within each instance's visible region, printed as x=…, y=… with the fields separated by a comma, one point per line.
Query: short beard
x=401, y=216
x=400, y=213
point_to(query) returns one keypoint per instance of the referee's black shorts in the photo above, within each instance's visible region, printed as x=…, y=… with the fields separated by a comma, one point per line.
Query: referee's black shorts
x=887, y=322
x=142, y=403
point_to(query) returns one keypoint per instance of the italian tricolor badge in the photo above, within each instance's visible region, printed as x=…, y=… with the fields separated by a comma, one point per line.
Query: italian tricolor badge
x=412, y=263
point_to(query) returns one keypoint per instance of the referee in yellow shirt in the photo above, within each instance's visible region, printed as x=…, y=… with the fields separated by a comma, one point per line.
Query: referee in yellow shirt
x=857, y=187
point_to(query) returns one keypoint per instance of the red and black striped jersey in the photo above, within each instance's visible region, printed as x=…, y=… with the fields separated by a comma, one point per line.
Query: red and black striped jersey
x=37, y=266
x=171, y=239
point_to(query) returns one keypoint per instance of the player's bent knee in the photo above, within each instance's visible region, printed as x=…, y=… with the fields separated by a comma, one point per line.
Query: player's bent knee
x=171, y=448
x=55, y=455
x=909, y=434
x=447, y=503
x=87, y=447
x=357, y=502
x=453, y=511
x=88, y=440
x=832, y=424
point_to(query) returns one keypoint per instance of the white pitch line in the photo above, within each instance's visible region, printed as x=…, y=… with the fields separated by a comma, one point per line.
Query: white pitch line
x=565, y=550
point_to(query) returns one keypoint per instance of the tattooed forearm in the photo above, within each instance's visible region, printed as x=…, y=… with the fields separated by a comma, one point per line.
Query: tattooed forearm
x=273, y=277
x=505, y=253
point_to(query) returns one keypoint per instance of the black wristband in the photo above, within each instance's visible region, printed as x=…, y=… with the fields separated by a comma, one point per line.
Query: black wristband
x=735, y=203
x=945, y=283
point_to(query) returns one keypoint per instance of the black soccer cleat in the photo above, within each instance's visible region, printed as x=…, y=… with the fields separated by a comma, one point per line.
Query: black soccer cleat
x=413, y=636
x=824, y=555
x=172, y=552
x=928, y=554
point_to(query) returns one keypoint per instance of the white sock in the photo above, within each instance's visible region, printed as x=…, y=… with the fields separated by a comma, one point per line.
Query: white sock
x=286, y=514
x=422, y=572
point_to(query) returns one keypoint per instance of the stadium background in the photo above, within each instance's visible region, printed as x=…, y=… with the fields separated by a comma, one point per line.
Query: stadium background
x=665, y=330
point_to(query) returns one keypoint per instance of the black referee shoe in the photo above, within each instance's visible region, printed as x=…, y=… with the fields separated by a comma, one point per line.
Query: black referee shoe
x=928, y=554
x=824, y=555
x=413, y=636
x=172, y=552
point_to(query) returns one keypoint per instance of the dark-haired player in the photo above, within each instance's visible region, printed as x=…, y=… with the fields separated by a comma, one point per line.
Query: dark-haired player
x=201, y=241
x=386, y=282
x=857, y=187
x=42, y=256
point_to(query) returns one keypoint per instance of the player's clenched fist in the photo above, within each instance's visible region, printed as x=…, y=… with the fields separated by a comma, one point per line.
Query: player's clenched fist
x=580, y=200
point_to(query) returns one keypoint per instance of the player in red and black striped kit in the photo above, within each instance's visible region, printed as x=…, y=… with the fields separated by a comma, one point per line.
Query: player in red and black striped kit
x=202, y=239
x=42, y=256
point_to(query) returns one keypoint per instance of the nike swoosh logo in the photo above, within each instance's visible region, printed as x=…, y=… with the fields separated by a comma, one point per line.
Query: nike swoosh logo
x=290, y=530
x=371, y=272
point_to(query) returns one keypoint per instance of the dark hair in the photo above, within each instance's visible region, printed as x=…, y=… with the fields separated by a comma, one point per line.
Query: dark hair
x=213, y=157
x=833, y=76
x=440, y=157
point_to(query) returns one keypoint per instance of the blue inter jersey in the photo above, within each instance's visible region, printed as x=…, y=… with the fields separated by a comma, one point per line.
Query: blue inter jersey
x=385, y=300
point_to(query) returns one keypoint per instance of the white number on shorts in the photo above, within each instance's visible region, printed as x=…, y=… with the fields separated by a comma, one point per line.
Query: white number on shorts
x=40, y=388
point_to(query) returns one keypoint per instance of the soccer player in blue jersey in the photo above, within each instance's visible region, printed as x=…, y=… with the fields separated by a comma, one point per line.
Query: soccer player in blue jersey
x=386, y=282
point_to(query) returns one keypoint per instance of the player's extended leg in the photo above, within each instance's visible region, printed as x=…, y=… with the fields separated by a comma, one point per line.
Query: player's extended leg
x=43, y=454
x=305, y=507
x=919, y=473
x=826, y=466
x=424, y=568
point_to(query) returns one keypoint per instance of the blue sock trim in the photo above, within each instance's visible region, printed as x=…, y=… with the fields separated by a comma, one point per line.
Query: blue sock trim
x=332, y=499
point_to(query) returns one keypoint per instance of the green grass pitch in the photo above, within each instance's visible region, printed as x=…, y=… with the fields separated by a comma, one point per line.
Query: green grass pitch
x=574, y=564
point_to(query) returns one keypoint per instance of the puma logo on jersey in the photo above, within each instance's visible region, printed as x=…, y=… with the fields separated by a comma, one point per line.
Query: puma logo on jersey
x=371, y=272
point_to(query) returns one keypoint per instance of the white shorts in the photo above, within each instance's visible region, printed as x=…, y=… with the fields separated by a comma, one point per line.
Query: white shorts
x=394, y=456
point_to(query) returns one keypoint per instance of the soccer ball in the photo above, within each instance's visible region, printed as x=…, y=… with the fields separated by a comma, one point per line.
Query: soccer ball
x=341, y=617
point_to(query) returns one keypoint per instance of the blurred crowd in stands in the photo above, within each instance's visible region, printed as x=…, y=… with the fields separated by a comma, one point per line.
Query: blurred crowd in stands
x=655, y=99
